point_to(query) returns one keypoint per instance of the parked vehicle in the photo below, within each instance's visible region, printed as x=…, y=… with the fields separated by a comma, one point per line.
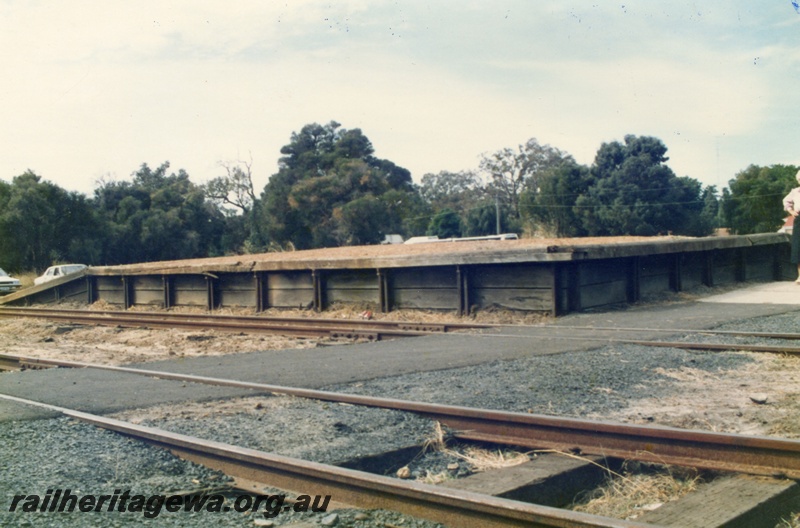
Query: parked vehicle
x=56, y=272
x=8, y=284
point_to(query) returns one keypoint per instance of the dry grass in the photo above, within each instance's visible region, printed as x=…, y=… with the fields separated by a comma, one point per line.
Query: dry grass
x=792, y=522
x=629, y=495
x=435, y=478
x=25, y=278
x=478, y=458
x=437, y=441
x=486, y=460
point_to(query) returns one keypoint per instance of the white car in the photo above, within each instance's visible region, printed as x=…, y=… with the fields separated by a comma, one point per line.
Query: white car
x=56, y=272
x=8, y=284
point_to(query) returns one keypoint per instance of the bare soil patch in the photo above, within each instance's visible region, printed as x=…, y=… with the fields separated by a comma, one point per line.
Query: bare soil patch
x=115, y=346
x=761, y=397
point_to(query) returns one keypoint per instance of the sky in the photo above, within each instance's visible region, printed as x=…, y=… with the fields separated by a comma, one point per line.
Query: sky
x=93, y=89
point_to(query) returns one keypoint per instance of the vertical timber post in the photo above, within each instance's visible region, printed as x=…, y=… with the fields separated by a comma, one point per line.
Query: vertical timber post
x=211, y=294
x=261, y=298
x=676, y=273
x=708, y=268
x=741, y=264
x=166, y=282
x=383, y=291
x=462, y=286
x=460, y=289
x=126, y=293
x=555, y=307
x=90, y=287
x=319, y=290
x=634, y=279
x=574, y=303
x=465, y=276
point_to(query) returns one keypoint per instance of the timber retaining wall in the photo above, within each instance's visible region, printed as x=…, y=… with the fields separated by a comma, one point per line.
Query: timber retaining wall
x=555, y=279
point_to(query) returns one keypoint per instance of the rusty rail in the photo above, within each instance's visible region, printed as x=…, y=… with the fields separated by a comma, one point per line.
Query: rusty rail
x=664, y=445
x=449, y=506
x=295, y=326
x=681, y=331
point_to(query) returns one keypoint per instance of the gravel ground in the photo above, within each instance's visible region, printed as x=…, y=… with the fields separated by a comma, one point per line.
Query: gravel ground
x=324, y=432
x=609, y=381
x=90, y=461
x=577, y=384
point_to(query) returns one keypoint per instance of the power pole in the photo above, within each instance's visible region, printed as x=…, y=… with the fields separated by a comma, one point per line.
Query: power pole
x=497, y=212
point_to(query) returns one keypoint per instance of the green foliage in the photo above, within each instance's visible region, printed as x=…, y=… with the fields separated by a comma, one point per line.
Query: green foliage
x=633, y=192
x=464, y=194
x=445, y=224
x=512, y=171
x=331, y=190
x=407, y=213
x=41, y=223
x=459, y=191
x=482, y=220
x=157, y=217
x=326, y=178
x=754, y=202
x=361, y=221
x=551, y=207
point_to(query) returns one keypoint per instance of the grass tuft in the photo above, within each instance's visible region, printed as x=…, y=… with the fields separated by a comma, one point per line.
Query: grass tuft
x=627, y=495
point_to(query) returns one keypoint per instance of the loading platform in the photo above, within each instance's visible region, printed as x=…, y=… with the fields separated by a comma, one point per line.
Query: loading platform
x=557, y=276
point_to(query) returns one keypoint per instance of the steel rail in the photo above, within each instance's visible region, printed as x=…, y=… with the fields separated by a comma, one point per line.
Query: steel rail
x=316, y=321
x=449, y=506
x=684, y=331
x=370, y=330
x=665, y=445
x=684, y=345
x=302, y=327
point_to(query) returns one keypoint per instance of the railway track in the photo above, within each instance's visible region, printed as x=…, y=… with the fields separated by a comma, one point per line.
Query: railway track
x=294, y=326
x=719, y=452
x=376, y=330
x=663, y=445
x=459, y=505
x=450, y=506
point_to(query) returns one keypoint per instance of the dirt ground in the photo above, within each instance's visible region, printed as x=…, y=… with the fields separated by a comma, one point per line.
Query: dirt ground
x=115, y=346
x=761, y=398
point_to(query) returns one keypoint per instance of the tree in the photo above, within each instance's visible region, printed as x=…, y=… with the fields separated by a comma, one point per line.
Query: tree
x=234, y=189
x=754, y=202
x=235, y=196
x=458, y=191
x=407, y=213
x=445, y=224
x=551, y=208
x=323, y=169
x=482, y=220
x=41, y=223
x=510, y=171
x=633, y=192
x=361, y=221
x=157, y=216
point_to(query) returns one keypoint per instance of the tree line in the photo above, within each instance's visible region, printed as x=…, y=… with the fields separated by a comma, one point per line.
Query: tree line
x=331, y=190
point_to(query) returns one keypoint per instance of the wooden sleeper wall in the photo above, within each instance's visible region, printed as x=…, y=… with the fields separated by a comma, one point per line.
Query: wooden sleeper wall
x=543, y=286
